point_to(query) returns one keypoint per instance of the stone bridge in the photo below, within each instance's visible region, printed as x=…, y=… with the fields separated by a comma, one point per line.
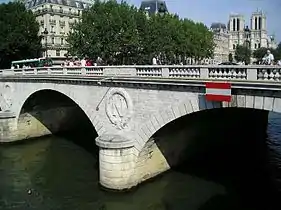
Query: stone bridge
x=126, y=106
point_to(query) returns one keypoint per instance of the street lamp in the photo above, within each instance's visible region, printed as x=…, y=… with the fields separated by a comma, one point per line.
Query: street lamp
x=45, y=33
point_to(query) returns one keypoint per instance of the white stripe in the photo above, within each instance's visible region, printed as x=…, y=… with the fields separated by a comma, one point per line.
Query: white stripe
x=215, y=91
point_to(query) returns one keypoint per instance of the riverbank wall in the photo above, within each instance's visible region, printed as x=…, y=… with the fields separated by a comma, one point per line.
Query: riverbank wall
x=36, y=123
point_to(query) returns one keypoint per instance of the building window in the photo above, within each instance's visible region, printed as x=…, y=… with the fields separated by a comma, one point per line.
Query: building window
x=61, y=41
x=233, y=24
x=259, y=45
x=255, y=46
x=52, y=29
x=256, y=23
x=53, y=40
x=57, y=52
x=260, y=23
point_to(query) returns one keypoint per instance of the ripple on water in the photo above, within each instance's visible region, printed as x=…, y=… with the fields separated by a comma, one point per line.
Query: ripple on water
x=62, y=176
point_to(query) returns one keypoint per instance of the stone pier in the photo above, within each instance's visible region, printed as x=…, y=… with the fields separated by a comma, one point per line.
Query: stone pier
x=122, y=166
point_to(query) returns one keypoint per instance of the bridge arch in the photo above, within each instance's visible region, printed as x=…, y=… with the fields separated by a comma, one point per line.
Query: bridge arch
x=180, y=133
x=172, y=113
x=50, y=111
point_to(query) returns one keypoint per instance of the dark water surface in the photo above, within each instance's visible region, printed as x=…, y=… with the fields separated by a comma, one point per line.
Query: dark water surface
x=62, y=175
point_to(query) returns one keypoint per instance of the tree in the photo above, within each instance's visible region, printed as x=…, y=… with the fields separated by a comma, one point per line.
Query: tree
x=107, y=30
x=230, y=57
x=18, y=35
x=162, y=38
x=122, y=34
x=259, y=53
x=278, y=52
x=242, y=54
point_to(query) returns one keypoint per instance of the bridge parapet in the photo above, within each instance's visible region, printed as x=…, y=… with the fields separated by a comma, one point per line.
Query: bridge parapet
x=195, y=72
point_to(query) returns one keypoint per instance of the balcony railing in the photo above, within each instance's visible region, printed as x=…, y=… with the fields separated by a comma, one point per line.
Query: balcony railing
x=57, y=12
x=53, y=22
x=62, y=23
x=191, y=72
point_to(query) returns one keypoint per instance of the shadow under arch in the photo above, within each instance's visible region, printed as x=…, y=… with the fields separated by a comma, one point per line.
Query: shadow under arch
x=50, y=112
x=226, y=146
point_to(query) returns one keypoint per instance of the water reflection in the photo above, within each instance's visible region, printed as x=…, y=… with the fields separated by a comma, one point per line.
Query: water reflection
x=62, y=175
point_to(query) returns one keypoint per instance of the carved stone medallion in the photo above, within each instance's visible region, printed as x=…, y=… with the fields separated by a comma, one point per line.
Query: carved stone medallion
x=6, y=97
x=119, y=107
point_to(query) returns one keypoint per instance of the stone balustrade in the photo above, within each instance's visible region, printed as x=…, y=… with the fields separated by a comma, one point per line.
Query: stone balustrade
x=250, y=73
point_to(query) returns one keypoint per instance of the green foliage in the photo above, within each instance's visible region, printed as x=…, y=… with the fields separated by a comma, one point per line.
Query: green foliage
x=261, y=52
x=230, y=57
x=243, y=54
x=277, y=52
x=18, y=34
x=122, y=34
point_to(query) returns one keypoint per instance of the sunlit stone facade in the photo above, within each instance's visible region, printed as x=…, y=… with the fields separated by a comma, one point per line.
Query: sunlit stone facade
x=57, y=18
x=221, y=38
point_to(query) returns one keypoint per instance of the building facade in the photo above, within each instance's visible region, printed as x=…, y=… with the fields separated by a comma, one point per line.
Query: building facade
x=221, y=39
x=238, y=33
x=56, y=18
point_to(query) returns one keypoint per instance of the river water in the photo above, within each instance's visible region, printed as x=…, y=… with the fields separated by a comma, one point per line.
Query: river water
x=53, y=173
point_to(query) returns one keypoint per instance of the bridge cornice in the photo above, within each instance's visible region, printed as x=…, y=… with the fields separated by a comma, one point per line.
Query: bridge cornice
x=145, y=82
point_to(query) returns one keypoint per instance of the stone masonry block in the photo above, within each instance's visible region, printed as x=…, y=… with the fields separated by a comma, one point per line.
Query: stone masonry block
x=268, y=103
x=258, y=102
x=277, y=105
x=249, y=101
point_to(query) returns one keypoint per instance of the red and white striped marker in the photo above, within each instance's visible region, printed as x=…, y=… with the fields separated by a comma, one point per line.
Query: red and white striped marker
x=218, y=91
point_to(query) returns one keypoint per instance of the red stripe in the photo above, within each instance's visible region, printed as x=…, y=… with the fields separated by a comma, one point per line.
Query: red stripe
x=218, y=85
x=210, y=97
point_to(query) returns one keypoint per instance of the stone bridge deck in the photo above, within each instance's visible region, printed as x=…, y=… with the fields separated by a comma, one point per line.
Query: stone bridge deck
x=127, y=105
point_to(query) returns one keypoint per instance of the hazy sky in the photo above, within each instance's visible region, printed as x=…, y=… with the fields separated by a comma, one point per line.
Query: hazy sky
x=208, y=11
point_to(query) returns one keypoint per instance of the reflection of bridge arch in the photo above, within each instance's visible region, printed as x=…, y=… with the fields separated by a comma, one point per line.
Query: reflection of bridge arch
x=159, y=120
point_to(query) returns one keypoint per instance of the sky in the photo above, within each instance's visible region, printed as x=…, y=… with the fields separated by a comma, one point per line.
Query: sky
x=209, y=11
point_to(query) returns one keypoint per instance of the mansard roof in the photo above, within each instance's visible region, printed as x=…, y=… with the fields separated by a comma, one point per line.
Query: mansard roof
x=154, y=6
x=218, y=25
x=70, y=3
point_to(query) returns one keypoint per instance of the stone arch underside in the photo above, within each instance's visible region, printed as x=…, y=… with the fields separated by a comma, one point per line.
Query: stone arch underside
x=49, y=111
x=162, y=118
x=154, y=154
